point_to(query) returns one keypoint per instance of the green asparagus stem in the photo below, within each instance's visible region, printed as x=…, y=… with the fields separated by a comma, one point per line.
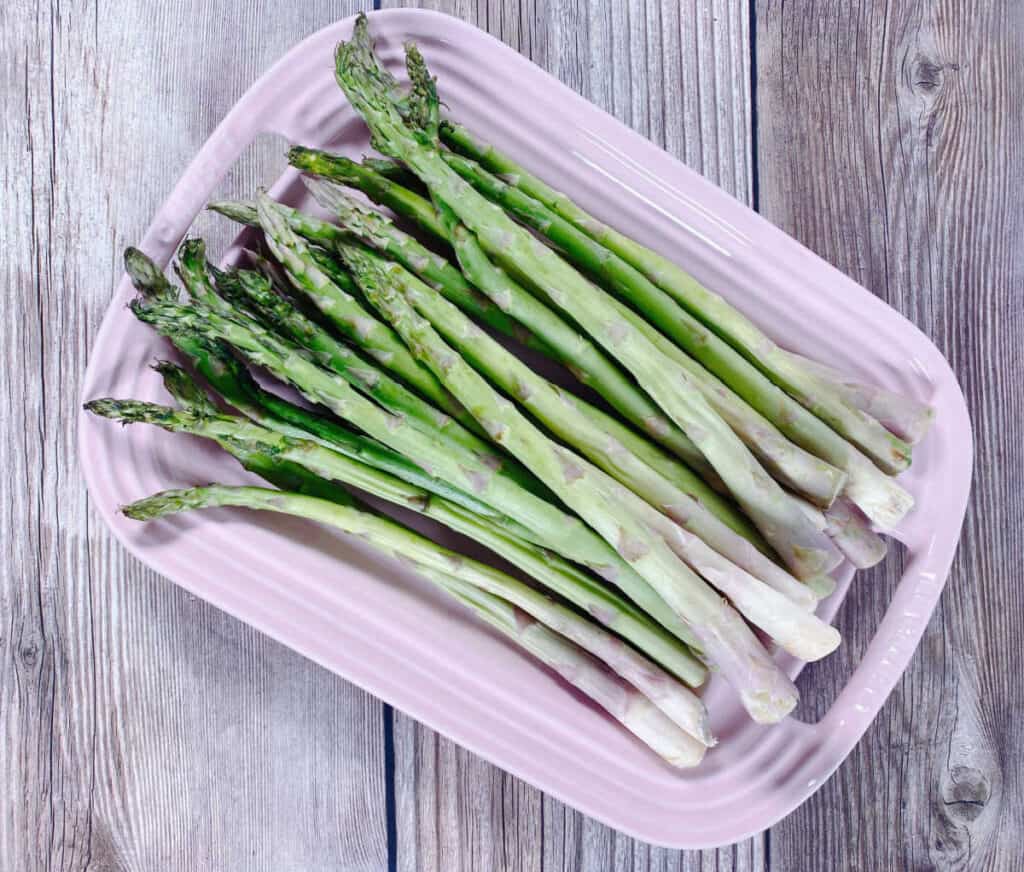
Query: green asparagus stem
x=254, y=293
x=806, y=550
x=559, y=339
x=562, y=532
x=799, y=470
x=902, y=416
x=373, y=229
x=377, y=231
x=608, y=507
x=878, y=495
x=891, y=453
x=800, y=633
x=283, y=474
x=364, y=376
x=850, y=530
x=403, y=543
x=268, y=457
x=232, y=381
x=389, y=194
x=559, y=412
x=261, y=450
x=632, y=709
x=345, y=313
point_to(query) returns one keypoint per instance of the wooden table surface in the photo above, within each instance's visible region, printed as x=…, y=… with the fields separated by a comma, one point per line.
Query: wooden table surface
x=141, y=729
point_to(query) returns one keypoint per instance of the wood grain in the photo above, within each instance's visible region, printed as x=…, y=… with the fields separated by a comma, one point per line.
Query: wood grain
x=142, y=729
x=678, y=73
x=890, y=142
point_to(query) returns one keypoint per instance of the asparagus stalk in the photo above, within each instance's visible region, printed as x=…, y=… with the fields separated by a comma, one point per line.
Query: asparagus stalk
x=365, y=377
x=561, y=415
x=879, y=496
x=679, y=704
x=231, y=380
x=377, y=231
x=254, y=293
x=562, y=532
x=425, y=556
x=512, y=309
x=574, y=350
x=381, y=234
x=399, y=295
x=902, y=416
x=283, y=474
x=261, y=449
x=806, y=551
x=868, y=485
x=381, y=190
x=850, y=530
x=632, y=709
x=605, y=505
x=890, y=452
x=558, y=337
x=800, y=470
x=344, y=311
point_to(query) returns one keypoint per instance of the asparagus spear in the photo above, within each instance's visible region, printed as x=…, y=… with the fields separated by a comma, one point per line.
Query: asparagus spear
x=560, y=413
x=679, y=704
x=403, y=248
x=813, y=476
x=803, y=471
x=876, y=494
x=632, y=709
x=890, y=452
x=254, y=293
x=513, y=309
x=399, y=295
x=383, y=235
x=375, y=230
x=606, y=506
x=363, y=375
x=558, y=337
x=901, y=415
x=850, y=530
x=562, y=532
x=806, y=550
x=797, y=468
x=392, y=195
x=378, y=231
x=234, y=383
x=283, y=474
x=695, y=515
x=345, y=312
x=253, y=444
x=432, y=560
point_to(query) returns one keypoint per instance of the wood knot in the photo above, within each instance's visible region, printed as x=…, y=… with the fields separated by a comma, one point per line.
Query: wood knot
x=927, y=75
x=967, y=793
x=29, y=653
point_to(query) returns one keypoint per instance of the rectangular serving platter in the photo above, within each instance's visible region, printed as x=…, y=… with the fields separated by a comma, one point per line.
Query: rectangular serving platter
x=368, y=619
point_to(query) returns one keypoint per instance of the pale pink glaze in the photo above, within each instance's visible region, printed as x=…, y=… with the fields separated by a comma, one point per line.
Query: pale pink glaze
x=369, y=620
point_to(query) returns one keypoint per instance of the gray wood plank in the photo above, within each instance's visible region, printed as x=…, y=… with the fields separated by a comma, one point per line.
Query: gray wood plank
x=139, y=727
x=679, y=74
x=889, y=137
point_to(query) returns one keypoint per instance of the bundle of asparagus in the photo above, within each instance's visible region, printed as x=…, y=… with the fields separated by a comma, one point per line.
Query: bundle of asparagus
x=706, y=494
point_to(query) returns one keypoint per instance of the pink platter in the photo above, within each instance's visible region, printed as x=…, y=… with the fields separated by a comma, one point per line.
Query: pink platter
x=370, y=620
